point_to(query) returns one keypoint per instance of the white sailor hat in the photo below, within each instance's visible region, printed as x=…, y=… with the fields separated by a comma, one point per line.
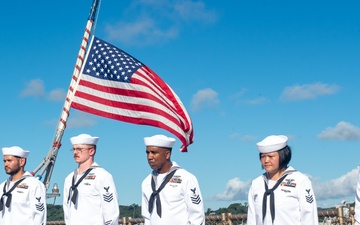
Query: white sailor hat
x=84, y=139
x=272, y=143
x=159, y=140
x=15, y=151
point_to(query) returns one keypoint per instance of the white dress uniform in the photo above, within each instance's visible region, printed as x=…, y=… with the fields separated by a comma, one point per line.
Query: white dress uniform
x=357, y=201
x=295, y=202
x=97, y=200
x=181, y=200
x=28, y=202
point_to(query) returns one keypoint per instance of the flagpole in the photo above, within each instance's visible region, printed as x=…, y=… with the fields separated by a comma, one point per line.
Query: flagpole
x=47, y=165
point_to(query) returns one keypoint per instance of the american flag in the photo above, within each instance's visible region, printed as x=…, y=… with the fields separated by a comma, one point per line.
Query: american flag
x=115, y=85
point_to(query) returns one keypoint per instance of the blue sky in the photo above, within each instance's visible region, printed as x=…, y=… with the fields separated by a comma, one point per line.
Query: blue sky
x=243, y=69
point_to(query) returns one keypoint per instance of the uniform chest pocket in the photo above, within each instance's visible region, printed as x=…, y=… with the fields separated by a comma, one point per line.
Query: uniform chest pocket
x=20, y=195
x=87, y=188
x=173, y=192
x=285, y=196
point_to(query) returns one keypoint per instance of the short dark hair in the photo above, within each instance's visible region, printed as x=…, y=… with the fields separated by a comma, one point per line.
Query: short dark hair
x=284, y=157
x=18, y=157
x=165, y=148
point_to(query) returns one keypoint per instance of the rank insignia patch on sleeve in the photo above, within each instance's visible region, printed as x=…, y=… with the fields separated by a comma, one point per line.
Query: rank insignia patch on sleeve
x=108, y=197
x=195, y=198
x=309, y=197
x=39, y=206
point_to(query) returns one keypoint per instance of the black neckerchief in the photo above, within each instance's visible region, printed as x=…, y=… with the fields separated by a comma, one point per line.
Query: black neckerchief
x=74, y=186
x=8, y=194
x=156, y=192
x=272, y=198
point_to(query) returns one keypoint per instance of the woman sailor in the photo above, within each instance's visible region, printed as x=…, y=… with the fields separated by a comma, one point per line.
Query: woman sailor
x=282, y=195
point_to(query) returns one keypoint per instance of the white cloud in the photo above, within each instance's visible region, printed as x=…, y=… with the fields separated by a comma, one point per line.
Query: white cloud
x=159, y=21
x=235, y=190
x=81, y=119
x=142, y=32
x=239, y=94
x=77, y=119
x=57, y=95
x=341, y=187
x=308, y=91
x=177, y=10
x=195, y=11
x=35, y=88
x=342, y=131
x=237, y=98
x=257, y=101
x=206, y=98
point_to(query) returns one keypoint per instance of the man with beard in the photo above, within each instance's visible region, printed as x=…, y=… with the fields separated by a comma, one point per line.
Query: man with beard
x=23, y=199
x=90, y=196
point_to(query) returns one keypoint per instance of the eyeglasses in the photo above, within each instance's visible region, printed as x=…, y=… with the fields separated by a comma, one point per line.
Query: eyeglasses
x=79, y=149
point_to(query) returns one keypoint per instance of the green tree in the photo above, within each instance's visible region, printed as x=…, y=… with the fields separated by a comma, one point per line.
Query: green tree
x=55, y=213
x=133, y=211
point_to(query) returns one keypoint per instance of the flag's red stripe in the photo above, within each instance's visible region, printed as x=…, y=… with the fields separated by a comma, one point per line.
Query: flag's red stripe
x=132, y=93
x=164, y=88
x=128, y=119
x=129, y=106
x=145, y=100
x=122, y=91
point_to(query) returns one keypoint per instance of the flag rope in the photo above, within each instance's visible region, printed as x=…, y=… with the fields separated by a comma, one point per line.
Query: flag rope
x=48, y=163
